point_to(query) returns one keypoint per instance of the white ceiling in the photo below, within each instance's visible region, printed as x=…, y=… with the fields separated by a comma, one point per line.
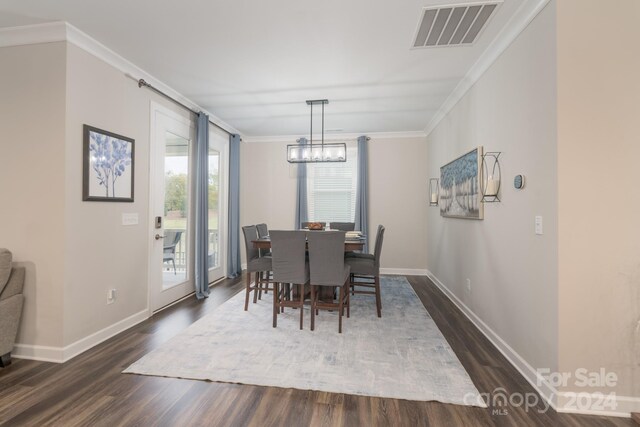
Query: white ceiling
x=253, y=63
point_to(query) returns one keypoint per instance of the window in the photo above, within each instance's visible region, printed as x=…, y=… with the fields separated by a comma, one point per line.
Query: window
x=331, y=188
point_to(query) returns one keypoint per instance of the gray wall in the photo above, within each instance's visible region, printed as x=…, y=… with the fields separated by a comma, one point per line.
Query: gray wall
x=398, y=187
x=513, y=272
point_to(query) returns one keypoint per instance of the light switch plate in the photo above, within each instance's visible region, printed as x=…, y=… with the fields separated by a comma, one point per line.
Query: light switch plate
x=129, y=219
x=539, y=225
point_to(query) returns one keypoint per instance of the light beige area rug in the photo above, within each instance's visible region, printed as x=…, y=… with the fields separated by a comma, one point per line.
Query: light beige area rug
x=402, y=355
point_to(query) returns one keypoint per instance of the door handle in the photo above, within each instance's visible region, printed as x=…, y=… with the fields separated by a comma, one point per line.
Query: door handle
x=158, y=237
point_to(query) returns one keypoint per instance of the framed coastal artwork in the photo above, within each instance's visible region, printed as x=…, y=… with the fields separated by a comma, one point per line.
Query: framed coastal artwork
x=108, y=166
x=460, y=195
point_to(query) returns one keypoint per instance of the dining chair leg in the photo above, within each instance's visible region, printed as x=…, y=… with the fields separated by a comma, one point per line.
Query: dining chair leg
x=260, y=290
x=301, y=292
x=276, y=307
x=248, y=291
x=255, y=288
x=340, y=309
x=313, y=306
x=348, y=300
x=378, y=302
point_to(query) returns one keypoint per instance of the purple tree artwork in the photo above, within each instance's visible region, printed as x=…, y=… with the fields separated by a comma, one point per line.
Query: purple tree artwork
x=108, y=161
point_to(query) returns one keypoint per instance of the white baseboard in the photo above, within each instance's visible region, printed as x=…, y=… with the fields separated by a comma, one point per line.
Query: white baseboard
x=592, y=404
x=42, y=353
x=63, y=354
x=405, y=271
x=559, y=401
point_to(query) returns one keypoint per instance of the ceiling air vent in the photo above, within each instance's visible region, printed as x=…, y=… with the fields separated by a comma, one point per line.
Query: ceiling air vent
x=456, y=25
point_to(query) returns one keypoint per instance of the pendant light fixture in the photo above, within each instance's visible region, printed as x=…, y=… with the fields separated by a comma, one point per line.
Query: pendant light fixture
x=317, y=152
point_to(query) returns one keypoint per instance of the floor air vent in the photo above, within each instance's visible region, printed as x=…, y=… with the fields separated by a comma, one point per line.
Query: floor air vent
x=455, y=25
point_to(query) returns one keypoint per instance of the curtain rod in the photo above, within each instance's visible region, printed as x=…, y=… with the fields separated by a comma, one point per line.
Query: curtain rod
x=142, y=83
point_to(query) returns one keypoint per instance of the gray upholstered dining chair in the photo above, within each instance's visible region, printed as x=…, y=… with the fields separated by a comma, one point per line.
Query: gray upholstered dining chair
x=327, y=268
x=289, y=267
x=263, y=230
x=342, y=226
x=261, y=266
x=365, y=271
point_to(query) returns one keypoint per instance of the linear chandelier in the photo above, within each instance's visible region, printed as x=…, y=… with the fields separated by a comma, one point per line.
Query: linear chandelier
x=317, y=153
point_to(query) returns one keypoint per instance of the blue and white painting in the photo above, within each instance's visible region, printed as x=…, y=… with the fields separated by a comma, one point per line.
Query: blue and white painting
x=460, y=193
x=108, y=166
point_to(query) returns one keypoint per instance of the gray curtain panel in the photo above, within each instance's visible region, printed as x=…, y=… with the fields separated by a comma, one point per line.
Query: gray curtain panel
x=201, y=177
x=362, y=190
x=233, y=257
x=302, y=212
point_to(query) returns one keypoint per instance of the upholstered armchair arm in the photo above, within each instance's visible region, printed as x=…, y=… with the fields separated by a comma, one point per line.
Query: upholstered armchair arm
x=15, y=284
x=10, y=311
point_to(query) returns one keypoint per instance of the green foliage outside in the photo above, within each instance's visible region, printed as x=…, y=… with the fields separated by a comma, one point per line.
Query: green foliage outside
x=176, y=200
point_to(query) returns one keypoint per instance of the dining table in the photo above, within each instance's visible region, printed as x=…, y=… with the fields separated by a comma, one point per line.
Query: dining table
x=350, y=244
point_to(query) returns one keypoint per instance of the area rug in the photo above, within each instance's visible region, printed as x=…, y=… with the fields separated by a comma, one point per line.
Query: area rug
x=402, y=355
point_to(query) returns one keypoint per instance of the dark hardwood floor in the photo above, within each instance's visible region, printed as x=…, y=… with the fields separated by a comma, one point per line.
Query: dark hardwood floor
x=90, y=390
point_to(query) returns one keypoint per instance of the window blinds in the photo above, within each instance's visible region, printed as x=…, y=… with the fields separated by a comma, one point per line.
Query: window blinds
x=331, y=189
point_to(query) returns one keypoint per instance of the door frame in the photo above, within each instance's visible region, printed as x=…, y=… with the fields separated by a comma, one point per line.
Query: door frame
x=154, y=110
x=223, y=196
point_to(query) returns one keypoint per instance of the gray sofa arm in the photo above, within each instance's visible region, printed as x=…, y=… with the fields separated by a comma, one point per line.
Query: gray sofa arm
x=10, y=311
x=14, y=285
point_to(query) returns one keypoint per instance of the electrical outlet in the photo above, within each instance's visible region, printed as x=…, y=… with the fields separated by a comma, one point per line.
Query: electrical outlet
x=111, y=296
x=469, y=285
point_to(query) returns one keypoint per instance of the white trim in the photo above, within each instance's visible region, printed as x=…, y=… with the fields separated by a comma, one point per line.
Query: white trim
x=42, y=353
x=63, y=354
x=624, y=405
x=33, y=34
x=557, y=400
x=518, y=22
x=60, y=31
x=338, y=136
x=405, y=271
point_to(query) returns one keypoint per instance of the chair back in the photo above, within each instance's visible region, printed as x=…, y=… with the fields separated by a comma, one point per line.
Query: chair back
x=326, y=257
x=343, y=226
x=171, y=239
x=263, y=230
x=250, y=233
x=378, y=249
x=288, y=256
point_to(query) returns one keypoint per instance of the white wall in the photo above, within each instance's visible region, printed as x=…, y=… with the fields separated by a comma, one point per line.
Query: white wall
x=74, y=251
x=101, y=253
x=513, y=272
x=32, y=185
x=398, y=187
x=598, y=152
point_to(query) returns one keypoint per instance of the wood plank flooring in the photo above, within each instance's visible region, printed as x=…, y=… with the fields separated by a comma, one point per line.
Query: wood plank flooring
x=90, y=390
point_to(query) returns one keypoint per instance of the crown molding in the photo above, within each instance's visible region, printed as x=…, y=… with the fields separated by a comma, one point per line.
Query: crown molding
x=337, y=136
x=33, y=34
x=516, y=25
x=63, y=31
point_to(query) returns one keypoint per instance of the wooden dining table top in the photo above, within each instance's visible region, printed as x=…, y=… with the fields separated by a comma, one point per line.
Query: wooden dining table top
x=350, y=244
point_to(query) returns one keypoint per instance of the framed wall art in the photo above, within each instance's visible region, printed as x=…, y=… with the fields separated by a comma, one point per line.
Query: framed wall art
x=108, y=166
x=460, y=195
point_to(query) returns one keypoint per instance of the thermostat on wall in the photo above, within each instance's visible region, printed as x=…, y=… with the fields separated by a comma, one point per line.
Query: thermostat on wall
x=518, y=182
